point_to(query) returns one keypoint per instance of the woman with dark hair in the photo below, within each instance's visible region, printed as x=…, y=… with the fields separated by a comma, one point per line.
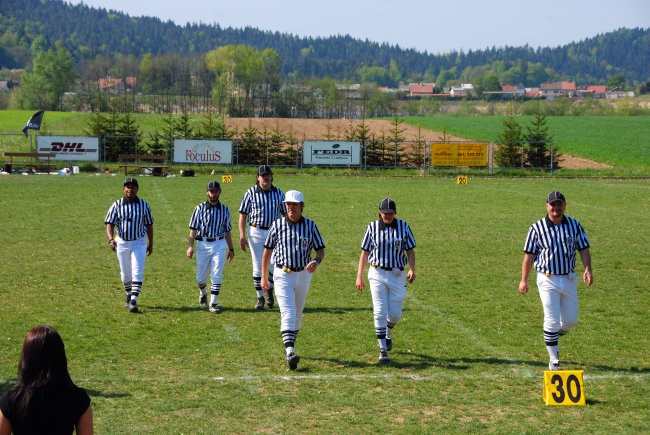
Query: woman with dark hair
x=45, y=400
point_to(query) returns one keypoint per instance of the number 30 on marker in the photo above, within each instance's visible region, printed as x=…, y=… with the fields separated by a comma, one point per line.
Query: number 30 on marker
x=564, y=387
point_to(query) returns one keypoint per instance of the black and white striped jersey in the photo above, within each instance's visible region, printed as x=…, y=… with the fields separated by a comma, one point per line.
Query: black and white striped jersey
x=387, y=244
x=554, y=246
x=263, y=206
x=130, y=218
x=211, y=220
x=292, y=243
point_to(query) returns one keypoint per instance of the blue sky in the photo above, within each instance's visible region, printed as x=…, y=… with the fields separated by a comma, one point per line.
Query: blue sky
x=430, y=25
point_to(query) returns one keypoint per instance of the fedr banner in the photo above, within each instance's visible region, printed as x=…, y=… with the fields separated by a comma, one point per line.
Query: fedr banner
x=203, y=151
x=459, y=154
x=73, y=148
x=325, y=152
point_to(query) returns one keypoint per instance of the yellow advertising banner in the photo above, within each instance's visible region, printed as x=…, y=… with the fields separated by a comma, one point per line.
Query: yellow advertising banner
x=459, y=154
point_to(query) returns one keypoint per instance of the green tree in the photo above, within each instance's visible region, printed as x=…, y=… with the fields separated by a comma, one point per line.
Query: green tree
x=394, y=73
x=540, y=152
x=129, y=134
x=243, y=74
x=509, y=141
x=617, y=81
x=486, y=83
x=249, y=146
x=396, y=139
x=51, y=75
x=374, y=74
x=212, y=126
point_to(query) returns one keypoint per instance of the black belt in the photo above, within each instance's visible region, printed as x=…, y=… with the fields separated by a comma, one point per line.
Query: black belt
x=387, y=268
x=209, y=239
x=289, y=269
x=259, y=226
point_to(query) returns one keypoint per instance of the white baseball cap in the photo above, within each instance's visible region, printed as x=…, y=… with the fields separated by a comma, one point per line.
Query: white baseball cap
x=293, y=196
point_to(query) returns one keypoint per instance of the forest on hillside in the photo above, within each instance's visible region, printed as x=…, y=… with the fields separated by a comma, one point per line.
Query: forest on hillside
x=95, y=37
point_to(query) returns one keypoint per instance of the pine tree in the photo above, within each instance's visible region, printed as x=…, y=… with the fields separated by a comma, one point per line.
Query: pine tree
x=540, y=151
x=509, y=151
x=249, y=149
x=396, y=139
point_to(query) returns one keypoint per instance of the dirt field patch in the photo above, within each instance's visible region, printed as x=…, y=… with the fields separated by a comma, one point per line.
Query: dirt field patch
x=318, y=129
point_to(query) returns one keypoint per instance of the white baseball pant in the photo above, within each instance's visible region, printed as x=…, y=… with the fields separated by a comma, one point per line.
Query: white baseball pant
x=210, y=259
x=559, y=294
x=388, y=290
x=131, y=256
x=256, y=239
x=291, y=290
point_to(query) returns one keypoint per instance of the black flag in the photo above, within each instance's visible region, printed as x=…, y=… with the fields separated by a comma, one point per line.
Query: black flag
x=34, y=122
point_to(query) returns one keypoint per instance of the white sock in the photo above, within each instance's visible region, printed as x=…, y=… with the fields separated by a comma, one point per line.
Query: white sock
x=553, y=353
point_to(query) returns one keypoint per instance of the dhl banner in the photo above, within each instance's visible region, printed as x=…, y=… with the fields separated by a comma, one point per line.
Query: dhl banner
x=459, y=154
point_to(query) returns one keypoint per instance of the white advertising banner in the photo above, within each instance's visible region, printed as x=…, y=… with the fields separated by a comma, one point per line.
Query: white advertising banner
x=203, y=151
x=329, y=152
x=73, y=148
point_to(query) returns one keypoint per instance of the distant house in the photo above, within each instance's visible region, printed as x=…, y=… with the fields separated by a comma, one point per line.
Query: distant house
x=350, y=91
x=553, y=90
x=115, y=85
x=532, y=92
x=507, y=92
x=421, y=89
x=462, y=90
x=4, y=85
x=615, y=93
x=593, y=91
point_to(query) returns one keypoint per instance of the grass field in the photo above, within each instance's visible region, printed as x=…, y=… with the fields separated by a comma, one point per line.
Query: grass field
x=468, y=356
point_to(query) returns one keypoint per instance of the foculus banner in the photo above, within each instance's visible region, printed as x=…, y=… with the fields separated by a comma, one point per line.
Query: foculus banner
x=203, y=151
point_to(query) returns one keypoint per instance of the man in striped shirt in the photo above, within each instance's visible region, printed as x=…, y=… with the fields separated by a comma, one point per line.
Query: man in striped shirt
x=290, y=242
x=387, y=245
x=551, y=246
x=261, y=205
x=210, y=226
x=133, y=219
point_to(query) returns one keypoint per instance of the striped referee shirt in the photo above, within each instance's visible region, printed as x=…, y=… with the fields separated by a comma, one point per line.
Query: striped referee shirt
x=387, y=244
x=130, y=218
x=554, y=246
x=292, y=243
x=211, y=220
x=263, y=206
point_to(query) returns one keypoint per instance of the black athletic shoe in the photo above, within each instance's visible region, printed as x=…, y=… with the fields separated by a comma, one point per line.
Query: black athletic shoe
x=214, y=308
x=292, y=360
x=203, y=302
x=133, y=307
x=389, y=344
x=260, y=304
x=269, y=298
x=383, y=356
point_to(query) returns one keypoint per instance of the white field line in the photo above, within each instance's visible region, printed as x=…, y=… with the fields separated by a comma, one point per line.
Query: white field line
x=472, y=336
x=406, y=377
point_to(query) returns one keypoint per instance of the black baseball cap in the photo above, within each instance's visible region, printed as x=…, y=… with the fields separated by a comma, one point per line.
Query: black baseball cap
x=214, y=185
x=555, y=196
x=387, y=205
x=264, y=170
x=131, y=180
